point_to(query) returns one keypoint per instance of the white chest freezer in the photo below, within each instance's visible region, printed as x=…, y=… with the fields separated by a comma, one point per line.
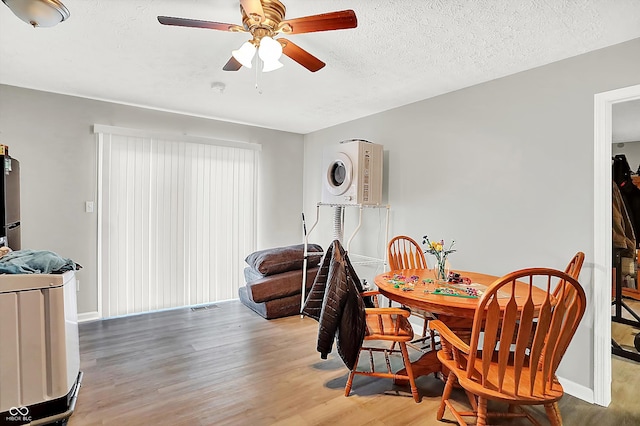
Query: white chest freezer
x=39, y=347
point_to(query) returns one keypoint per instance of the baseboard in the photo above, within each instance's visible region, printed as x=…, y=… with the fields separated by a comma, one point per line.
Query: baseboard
x=579, y=391
x=88, y=316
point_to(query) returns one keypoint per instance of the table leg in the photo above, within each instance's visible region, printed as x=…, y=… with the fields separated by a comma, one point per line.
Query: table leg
x=428, y=363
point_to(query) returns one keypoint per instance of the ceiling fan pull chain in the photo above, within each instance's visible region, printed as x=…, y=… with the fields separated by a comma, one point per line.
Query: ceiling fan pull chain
x=258, y=72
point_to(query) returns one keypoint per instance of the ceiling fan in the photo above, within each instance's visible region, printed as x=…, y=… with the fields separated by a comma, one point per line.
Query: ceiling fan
x=265, y=19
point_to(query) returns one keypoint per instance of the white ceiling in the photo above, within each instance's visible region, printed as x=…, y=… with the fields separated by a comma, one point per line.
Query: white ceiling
x=402, y=51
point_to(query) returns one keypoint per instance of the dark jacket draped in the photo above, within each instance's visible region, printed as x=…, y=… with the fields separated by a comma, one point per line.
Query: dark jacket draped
x=624, y=238
x=335, y=302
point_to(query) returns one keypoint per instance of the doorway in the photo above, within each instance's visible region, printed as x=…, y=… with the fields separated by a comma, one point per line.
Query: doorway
x=603, y=130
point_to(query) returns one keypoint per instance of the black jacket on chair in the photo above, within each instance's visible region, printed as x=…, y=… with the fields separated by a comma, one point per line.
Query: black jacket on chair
x=335, y=302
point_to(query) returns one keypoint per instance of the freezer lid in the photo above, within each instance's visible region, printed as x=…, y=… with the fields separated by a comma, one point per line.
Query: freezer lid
x=23, y=282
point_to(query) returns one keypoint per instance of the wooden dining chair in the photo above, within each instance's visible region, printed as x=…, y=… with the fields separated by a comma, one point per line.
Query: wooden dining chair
x=385, y=325
x=404, y=253
x=575, y=265
x=492, y=367
x=573, y=269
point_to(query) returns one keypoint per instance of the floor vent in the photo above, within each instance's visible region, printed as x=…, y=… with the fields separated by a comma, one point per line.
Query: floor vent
x=203, y=308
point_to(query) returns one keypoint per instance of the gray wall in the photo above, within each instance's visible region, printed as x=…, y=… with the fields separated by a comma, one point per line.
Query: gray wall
x=505, y=168
x=51, y=136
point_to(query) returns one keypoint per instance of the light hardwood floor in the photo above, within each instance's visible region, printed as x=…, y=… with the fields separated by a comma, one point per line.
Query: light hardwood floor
x=228, y=366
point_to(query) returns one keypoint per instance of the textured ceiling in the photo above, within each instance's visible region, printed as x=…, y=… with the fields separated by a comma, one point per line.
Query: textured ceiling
x=402, y=51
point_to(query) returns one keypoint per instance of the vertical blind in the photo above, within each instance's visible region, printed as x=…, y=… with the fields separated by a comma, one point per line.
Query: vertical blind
x=176, y=221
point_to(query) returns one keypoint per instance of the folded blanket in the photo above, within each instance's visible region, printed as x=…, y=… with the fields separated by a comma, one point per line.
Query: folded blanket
x=35, y=262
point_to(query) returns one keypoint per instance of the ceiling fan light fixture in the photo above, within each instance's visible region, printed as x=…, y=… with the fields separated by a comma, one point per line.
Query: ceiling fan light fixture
x=245, y=54
x=270, y=50
x=39, y=13
x=271, y=65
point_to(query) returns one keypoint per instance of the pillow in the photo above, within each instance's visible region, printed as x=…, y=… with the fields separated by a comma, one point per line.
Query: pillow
x=282, y=259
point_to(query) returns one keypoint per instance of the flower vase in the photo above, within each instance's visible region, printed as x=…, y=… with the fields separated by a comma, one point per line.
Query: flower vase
x=441, y=270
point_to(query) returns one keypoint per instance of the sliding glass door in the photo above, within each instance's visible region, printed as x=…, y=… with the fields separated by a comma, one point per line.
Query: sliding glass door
x=176, y=219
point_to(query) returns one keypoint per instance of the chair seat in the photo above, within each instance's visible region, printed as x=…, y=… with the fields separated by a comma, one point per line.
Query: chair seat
x=382, y=327
x=508, y=394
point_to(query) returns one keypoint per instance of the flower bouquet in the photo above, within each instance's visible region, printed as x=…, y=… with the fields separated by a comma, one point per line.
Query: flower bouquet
x=437, y=248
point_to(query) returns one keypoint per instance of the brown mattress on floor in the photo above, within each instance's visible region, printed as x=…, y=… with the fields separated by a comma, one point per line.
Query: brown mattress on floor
x=277, y=295
x=276, y=308
x=279, y=285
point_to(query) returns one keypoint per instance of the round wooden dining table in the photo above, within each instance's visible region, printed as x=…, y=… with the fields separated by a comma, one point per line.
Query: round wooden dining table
x=418, y=289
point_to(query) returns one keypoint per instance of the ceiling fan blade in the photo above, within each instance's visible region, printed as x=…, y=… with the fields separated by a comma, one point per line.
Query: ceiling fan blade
x=194, y=23
x=340, y=20
x=253, y=8
x=232, y=65
x=300, y=55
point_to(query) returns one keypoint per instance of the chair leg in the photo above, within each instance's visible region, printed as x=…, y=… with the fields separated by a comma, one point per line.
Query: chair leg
x=482, y=412
x=553, y=412
x=409, y=369
x=445, y=395
x=352, y=373
x=472, y=400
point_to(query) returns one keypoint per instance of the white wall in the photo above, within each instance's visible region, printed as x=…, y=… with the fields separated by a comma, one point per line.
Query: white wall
x=505, y=168
x=51, y=136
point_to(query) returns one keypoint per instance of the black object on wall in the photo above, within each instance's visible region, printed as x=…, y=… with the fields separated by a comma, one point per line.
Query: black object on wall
x=10, y=202
x=621, y=173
